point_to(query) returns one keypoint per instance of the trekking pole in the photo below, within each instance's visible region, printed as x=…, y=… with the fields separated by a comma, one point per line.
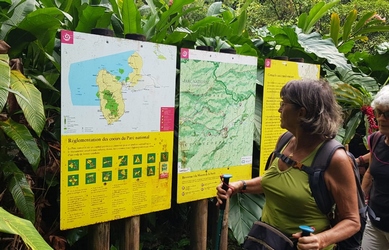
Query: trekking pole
x=225, y=179
x=307, y=230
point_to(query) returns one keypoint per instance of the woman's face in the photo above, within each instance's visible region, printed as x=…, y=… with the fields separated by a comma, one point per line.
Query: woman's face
x=289, y=115
x=382, y=116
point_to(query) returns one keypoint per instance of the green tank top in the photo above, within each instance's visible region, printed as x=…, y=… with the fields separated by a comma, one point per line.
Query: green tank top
x=289, y=202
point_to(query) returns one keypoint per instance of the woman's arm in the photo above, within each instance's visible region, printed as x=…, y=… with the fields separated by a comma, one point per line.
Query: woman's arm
x=340, y=180
x=363, y=159
x=367, y=182
x=252, y=186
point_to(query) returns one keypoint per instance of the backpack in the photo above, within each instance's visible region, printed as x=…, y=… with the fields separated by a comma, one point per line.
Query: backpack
x=322, y=196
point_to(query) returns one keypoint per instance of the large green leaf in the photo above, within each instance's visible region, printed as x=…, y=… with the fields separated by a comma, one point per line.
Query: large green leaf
x=375, y=63
x=348, y=95
x=41, y=24
x=365, y=84
x=383, y=48
x=4, y=79
x=317, y=12
x=334, y=28
x=214, y=9
x=20, y=189
x=205, y=22
x=351, y=127
x=240, y=24
x=149, y=26
x=363, y=20
x=244, y=210
x=372, y=29
x=170, y=16
x=89, y=16
x=20, y=10
x=23, y=139
x=352, y=16
x=258, y=112
x=131, y=18
x=12, y=224
x=323, y=48
x=346, y=47
x=44, y=24
x=215, y=29
x=30, y=100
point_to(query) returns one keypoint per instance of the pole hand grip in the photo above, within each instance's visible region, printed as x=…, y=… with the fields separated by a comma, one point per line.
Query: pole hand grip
x=306, y=230
x=225, y=178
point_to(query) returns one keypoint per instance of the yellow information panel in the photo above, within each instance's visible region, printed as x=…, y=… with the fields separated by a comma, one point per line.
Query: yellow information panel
x=202, y=184
x=277, y=74
x=113, y=176
x=117, y=123
x=216, y=121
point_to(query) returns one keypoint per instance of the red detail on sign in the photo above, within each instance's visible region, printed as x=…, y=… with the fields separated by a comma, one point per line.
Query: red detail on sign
x=67, y=36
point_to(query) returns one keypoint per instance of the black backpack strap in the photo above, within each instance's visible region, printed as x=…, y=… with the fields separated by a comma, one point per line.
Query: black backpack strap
x=284, y=138
x=373, y=139
x=324, y=154
x=320, y=163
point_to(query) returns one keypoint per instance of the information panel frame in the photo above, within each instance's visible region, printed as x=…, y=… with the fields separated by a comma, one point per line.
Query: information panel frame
x=117, y=128
x=276, y=74
x=216, y=121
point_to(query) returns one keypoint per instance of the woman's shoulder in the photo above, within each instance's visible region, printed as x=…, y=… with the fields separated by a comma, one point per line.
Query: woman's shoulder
x=341, y=162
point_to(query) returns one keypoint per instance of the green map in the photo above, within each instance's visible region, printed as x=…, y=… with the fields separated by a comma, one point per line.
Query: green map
x=216, y=110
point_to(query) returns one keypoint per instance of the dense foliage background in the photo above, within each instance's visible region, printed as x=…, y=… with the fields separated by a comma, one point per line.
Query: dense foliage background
x=349, y=39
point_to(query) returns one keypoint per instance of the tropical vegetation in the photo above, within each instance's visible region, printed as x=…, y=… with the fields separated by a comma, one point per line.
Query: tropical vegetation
x=346, y=38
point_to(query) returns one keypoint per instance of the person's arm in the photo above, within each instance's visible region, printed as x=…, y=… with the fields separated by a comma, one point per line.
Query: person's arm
x=252, y=186
x=363, y=159
x=367, y=182
x=340, y=180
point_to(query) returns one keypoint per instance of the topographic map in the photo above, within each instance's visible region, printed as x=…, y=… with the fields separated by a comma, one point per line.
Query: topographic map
x=216, y=110
x=115, y=85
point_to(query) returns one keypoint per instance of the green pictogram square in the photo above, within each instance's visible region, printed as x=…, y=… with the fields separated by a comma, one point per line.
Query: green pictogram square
x=151, y=158
x=137, y=173
x=137, y=159
x=151, y=171
x=122, y=174
x=90, y=178
x=73, y=165
x=123, y=160
x=164, y=156
x=164, y=167
x=73, y=180
x=107, y=176
x=90, y=163
x=107, y=162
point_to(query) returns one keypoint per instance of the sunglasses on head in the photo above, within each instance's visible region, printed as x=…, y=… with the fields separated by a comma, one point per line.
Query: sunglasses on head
x=378, y=113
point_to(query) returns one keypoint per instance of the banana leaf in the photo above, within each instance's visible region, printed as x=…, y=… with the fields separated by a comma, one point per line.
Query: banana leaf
x=20, y=189
x=4, y=79
x=244, y=210
x=23, y=139
x=29, y=99
x=12, y=224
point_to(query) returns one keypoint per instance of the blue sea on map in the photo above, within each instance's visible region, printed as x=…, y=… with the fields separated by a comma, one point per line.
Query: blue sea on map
x=82, y=76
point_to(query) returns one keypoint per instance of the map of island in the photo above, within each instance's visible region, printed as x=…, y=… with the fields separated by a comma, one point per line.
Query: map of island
x=124, y=86
x=217, y=101
x=136, y=63
x=110, y=88
x=110, y=95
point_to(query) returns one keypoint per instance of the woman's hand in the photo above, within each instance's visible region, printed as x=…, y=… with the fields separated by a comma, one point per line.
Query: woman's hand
x=311, y=242
x=222, y=194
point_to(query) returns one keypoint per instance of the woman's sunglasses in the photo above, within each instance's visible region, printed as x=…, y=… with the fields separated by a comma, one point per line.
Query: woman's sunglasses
x=378, y=113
